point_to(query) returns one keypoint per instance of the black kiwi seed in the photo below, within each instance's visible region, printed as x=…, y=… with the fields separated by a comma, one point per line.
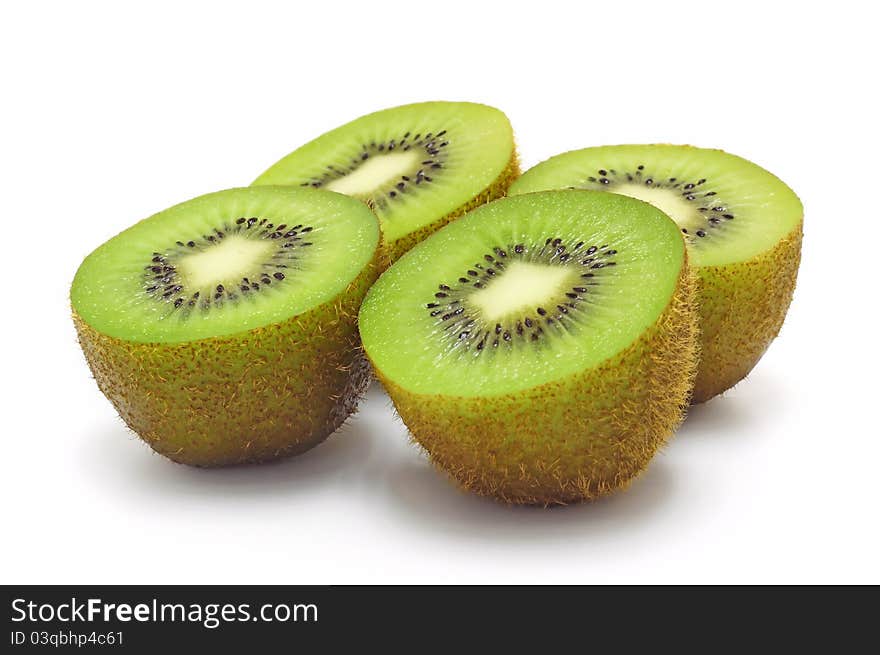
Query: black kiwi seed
x=161, y=270
x=689, y=191
x=433, y=159
x=451, y=304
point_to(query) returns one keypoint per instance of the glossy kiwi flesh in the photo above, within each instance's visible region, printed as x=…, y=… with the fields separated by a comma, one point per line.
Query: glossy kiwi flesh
x=743, y=227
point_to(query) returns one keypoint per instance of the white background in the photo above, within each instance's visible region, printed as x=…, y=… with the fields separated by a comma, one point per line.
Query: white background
x=110, y=113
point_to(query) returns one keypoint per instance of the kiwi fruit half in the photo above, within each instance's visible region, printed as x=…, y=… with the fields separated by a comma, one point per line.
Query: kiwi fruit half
x=223, y=329
x=743, y=227
x=418, y=166
x=542, y=347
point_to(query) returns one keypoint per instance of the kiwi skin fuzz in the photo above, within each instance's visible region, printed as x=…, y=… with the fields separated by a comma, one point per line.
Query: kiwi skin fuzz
x=570, y=440
x=497, y=189
x=742, y=308
x=260, y=395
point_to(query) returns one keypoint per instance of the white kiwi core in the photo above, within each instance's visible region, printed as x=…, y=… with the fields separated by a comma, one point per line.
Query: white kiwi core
x=229, y=260
x=521, y=288
x=375, y=173
x=669, y=201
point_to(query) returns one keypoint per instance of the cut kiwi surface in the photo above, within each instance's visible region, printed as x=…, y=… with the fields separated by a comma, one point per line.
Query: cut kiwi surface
x=742, y=225
x=418, y=166
x=542, y=347
x=223, y=329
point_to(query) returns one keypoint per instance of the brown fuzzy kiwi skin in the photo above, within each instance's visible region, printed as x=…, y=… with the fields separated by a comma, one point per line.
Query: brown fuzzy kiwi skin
x=742, y=308
x=260, y=395
x=570, y=440
x=497, y=189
